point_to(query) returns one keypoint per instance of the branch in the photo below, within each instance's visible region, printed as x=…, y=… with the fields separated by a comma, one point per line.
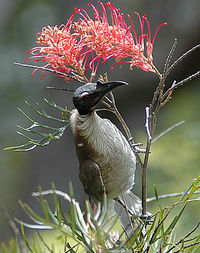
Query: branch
x=176, y=85
x=166, y=68
x=57, y=192
x=169, y=196
x=50, y=70
x=144, y=166
x=147, y=124
x=181, y=58
x=111, y=105
x=167, y=130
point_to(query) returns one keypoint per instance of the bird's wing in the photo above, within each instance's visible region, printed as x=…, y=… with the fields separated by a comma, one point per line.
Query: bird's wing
x=91, y=179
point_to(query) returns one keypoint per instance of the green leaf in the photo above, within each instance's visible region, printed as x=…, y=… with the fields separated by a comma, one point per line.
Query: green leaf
x=174, y=221
x=25, y=239
x=45, y=132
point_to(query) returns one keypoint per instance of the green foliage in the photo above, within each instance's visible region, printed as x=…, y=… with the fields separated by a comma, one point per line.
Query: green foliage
x=94, y=230
x=54, y=133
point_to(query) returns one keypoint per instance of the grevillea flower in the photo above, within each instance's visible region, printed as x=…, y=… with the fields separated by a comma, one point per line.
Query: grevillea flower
x=61, y=50
x=77, y=47
x=117, y=39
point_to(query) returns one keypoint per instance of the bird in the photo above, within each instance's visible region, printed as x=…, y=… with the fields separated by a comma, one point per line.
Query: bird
x=107, y=162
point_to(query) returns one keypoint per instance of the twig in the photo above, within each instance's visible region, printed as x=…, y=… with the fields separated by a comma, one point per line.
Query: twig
x=147, y=125
x=181, y=58
x=108, y=105
x=176, y=85
x=144, y=166
x=167, y=130
x=50, y=70
x=169, y=58
x=63, y=89
x=169, y=196
x=113, y=108
x=155, y=95
x=57, y=192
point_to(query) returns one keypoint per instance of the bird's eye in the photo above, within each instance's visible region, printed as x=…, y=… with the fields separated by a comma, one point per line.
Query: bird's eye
x=85, y=95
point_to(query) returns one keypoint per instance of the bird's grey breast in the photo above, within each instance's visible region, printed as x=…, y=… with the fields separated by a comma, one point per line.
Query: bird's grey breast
x=101, y=141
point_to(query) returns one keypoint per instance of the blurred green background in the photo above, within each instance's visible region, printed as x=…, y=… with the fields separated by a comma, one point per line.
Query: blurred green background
x=175, y=158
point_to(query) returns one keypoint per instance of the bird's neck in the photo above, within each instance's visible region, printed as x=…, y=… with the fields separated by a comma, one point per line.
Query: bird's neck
x=84, y=124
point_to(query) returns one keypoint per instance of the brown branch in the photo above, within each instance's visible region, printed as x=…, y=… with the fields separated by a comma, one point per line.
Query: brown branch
x=176, y=85
x=181, y=58
x=111, y=105
x=166, y=67
x=144, y=166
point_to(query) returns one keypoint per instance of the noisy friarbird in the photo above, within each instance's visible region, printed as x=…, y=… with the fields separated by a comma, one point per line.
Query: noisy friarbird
x=107, y=161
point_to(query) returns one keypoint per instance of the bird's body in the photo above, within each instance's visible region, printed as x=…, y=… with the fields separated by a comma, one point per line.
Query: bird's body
x=100, y=142
x=107, y=162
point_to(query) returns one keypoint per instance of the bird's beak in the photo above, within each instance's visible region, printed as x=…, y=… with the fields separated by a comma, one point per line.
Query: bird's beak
x=105, y=87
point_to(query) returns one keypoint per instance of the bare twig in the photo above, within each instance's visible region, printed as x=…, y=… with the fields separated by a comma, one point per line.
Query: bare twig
x=108, y=105
x=169, y=196
x=169, y=58
x=176, y=85
x=76, y=78
x=111, y=105
x=181, y=58
x=57, y=192
x=155, y=96
x=144, y=165
x=63, y=89
x=159, y=100
x=167, y=130
x=147, y=124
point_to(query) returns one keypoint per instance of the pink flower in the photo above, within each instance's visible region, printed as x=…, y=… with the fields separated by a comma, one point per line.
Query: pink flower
x=76, y=48
x=116, y=39
x=61, y=50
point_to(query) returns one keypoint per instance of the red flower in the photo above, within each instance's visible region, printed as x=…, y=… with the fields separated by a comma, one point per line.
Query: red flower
x=78, y=47
x=116, y=39
x=61, y=50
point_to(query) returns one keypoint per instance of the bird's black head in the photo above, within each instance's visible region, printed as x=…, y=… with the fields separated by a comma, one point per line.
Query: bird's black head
x=86, y=97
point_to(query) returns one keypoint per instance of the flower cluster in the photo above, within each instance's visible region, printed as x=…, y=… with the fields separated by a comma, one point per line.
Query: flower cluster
x=77, y=47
